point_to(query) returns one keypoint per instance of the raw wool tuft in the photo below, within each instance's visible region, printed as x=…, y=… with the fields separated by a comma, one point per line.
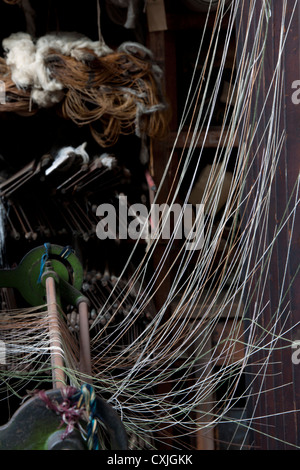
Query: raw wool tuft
x=71, y=44
x=26, y=60
x=113, y=92
x=108, y=161
x=20, y=57
x=66, y=156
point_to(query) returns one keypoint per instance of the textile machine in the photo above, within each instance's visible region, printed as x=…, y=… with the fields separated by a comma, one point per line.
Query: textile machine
x=53, y=275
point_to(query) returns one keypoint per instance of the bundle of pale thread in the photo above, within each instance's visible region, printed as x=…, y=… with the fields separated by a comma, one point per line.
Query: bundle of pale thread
x=117, y=91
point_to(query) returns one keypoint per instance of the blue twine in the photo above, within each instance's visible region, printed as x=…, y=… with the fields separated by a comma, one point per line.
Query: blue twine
x=44, y=258
x=89, y=397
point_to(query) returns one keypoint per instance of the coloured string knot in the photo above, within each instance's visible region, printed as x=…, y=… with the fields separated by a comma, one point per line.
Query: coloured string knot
x=70, y=414
x=88, y=401
x=44, y=259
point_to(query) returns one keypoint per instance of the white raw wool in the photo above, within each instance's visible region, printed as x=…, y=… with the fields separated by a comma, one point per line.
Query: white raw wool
x=26, y=61
x=70, y=44
x=108, y=161
x=20, y=58
x=68, y=153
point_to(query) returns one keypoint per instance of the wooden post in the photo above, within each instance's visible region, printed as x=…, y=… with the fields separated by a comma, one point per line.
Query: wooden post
x=277, y=399
x=57, y=362
x=85, y=349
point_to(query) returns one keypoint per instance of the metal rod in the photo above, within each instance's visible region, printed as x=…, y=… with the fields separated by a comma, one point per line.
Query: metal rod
x=61, y=186
x=19, y=218
x=31, y=231
x=84, y=335
x=58, y=375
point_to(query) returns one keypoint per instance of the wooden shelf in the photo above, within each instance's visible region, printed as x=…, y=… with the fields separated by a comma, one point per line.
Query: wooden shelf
x=210, y=139
x=204, y=305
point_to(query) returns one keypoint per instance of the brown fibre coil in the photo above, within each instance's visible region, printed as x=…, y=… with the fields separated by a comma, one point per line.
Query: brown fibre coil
x=119, y=91
x=16, y=99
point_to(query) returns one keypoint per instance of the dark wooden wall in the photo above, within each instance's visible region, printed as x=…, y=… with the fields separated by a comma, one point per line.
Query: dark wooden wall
x=276, y=420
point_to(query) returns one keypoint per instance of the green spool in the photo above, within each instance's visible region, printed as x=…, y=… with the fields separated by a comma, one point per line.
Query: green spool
x=25, y=277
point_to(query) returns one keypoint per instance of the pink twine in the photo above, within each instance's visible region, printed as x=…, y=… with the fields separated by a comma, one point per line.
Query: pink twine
x=70, y=414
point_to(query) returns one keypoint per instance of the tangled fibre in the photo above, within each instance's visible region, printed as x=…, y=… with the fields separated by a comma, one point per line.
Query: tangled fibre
x=113, y=92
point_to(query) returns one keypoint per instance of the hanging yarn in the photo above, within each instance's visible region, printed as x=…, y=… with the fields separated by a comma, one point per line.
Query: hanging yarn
x=25, y=332
x=25, y=57
x=120, y=90
x=113, y=92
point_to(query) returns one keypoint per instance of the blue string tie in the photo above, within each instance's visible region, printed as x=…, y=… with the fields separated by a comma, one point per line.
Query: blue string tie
x=44, y=259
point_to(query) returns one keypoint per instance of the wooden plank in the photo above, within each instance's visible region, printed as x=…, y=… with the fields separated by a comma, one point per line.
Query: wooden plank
x=164, y=55
x=279, y=395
